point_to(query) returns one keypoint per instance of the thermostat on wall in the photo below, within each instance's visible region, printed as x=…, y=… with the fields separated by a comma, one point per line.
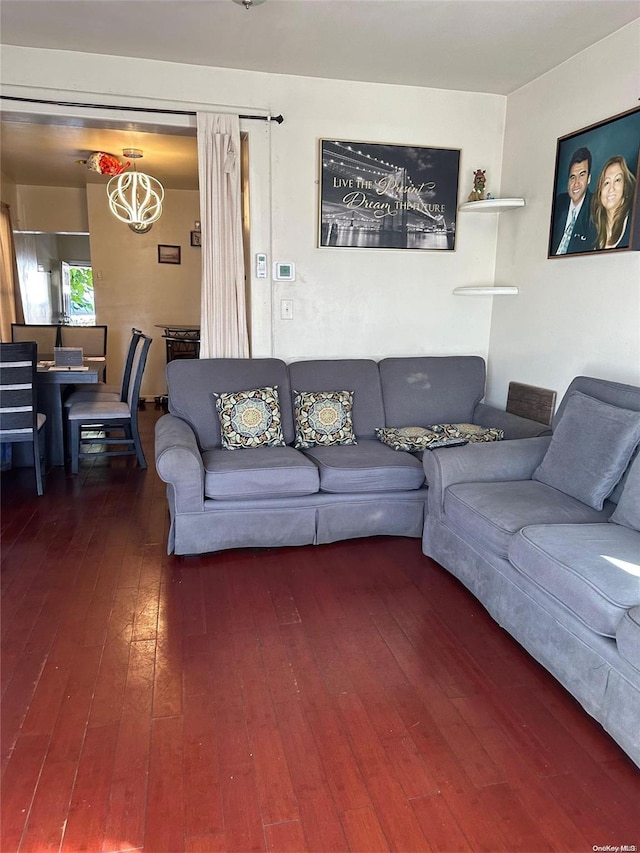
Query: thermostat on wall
x=284, y=272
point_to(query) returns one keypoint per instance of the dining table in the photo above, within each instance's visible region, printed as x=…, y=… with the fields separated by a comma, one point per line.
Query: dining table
x=52, y=383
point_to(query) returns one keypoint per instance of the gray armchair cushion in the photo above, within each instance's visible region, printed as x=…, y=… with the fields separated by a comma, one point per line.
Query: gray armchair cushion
x=261, y=472
x=493, y=512
x=368, y=466
x=628, y=510
x=590, y=449
x=583, y=566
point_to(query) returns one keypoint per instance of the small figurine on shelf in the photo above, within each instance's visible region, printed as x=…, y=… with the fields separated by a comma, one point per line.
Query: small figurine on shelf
x=479, y=180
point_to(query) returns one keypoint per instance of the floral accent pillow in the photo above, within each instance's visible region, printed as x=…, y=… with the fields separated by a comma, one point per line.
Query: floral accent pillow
x=472, y=432
x=323, y=418
x=437, y=435
x=416, y=438
x=250, y=418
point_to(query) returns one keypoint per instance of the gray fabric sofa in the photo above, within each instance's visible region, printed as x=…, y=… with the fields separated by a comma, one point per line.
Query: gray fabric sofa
x=546, y=534
x=281, y=495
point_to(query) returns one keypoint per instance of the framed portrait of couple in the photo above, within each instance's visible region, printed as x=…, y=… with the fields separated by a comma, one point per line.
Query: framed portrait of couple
x=595, y=196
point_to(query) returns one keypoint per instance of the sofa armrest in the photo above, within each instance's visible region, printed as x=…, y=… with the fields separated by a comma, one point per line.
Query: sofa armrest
x=488, y=462
x=514, y=426
x=179, y=463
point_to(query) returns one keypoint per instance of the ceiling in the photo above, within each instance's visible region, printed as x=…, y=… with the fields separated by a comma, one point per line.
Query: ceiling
x=493, y=46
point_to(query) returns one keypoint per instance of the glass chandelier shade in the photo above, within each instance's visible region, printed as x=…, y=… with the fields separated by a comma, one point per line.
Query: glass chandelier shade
x=135, y=198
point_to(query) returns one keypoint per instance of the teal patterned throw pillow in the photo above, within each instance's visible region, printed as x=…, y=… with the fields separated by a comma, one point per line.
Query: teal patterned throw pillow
x=323, y=418
x=250, y=418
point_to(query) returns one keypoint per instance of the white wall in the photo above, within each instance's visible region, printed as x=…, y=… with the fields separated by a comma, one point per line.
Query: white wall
x=347, y=302
x=132, y=289
x=576, y=315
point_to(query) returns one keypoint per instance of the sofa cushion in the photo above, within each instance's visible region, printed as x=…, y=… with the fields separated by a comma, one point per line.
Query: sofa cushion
x=193, y=381
x=628, y=637
x=628, y=510
x=264, y=472
x=323, y=418
x=591, y=569
x=589, y=449
x=250, y=419
x=425, y=390
x=368, y=466
x=359, y=375
x=492, y=512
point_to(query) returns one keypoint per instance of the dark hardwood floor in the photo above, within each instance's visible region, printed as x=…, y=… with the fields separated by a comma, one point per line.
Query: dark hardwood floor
x=349, y=697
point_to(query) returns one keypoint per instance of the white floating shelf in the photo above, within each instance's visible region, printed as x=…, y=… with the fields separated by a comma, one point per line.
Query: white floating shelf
x=492, y=205
x=480, y=290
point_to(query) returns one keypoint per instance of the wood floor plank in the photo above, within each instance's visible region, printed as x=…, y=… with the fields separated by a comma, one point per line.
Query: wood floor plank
x=165, y=793
x=19, y=783
x=285, y=837
x=90, y=798
x=363, y=831
x=439, y=826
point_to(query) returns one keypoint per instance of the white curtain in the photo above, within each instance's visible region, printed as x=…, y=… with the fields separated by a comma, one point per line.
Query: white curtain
x=223, y=318
x=10, y=301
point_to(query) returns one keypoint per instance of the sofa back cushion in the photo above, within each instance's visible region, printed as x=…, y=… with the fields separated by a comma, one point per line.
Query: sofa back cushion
x=590, y=448
x=628, y=510
x=615, y=393
x=426, y=390
x=358, y=375
x=192, y=384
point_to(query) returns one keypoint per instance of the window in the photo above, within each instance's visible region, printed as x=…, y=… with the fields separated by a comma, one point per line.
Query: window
x=79, y=308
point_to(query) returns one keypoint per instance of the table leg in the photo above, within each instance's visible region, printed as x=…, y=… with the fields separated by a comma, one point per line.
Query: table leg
x=50, y=404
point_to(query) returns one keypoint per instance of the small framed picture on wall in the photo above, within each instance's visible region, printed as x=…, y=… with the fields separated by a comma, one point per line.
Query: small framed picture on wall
x=168, y=254
x=195, y=239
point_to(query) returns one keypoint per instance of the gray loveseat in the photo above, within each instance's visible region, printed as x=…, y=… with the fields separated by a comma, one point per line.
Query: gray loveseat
x=280, y=495
x=546, y=534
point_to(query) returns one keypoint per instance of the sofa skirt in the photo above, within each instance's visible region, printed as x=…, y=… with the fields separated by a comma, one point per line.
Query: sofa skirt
x=305, y=520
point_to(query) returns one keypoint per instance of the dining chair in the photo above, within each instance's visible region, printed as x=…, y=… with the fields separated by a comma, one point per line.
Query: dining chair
x=20, y=420
x=92, y=339
x=46, y=336
x=109, y=417
x=109, y=392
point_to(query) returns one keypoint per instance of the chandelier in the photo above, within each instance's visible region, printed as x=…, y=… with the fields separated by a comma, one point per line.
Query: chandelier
x=134, y=197
x=248, y=4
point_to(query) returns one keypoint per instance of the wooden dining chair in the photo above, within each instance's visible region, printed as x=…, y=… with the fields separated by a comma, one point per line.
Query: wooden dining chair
x=46, y=336
x=19, y=417
x=116, y=420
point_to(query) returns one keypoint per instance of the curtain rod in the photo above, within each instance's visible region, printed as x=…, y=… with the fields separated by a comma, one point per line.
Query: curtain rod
x=278, y=119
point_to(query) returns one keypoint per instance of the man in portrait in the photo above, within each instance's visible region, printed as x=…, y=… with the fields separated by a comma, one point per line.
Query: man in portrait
x=573, y=230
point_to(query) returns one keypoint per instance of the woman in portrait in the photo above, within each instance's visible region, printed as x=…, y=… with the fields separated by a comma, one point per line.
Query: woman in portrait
x=611, y=204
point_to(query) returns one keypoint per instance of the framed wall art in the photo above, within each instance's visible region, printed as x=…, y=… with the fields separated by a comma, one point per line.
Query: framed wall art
x=168, y=254
x=595, y=195
x=375, y=196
